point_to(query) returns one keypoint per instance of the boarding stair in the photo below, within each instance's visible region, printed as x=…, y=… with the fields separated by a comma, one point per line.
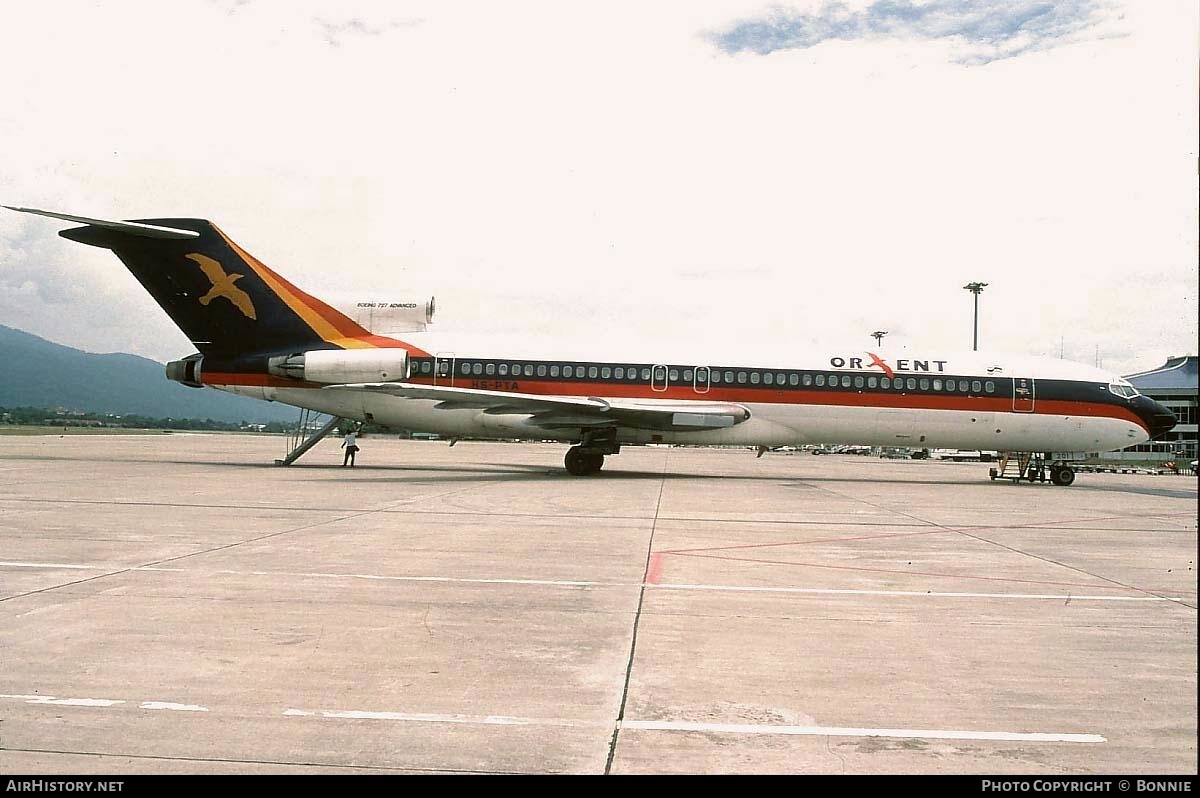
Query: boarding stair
x=1016, y=466
x=309, y=430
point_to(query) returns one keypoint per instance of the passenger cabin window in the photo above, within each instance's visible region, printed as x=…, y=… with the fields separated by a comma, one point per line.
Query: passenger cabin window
x=714, y=377
x=754, y=378
x=937, y=385
x=606, y=372
x=794, y=379
x=729, y=376
x=568, y=371
x=620, y=372
x=872, y=382
x=911, y=384
x=858, y=382
x=593, y=372
x=466, y=368
x=687, y=375
x=477, y=369
x=884, y=382
x=645, y=374
x=924, y=384
x=426, y=367
x=807, y=380
x=490, y=369
x=741, y=378
x=528, y=369
x=554, y=371
x=846, y=381
x=541, y=370
x=976, y=386
x=674, y=375
x=989, y=386
x=820, y=380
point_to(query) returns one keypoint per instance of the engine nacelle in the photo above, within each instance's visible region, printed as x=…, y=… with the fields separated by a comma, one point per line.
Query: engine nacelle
x=186, y=371
x=390, y=318
x=337, y=366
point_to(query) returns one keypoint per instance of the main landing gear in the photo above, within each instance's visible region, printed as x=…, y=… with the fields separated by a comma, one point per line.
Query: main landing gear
x=587, y=457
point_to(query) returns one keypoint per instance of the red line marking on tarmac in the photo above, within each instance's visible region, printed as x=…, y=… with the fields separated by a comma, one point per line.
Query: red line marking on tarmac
x=940, y=531
x=654, y=568
x=1044, y=524
x=809, y=542
x=912, y=573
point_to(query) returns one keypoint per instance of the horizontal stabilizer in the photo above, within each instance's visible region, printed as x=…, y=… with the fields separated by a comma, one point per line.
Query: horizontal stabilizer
x=131, y=228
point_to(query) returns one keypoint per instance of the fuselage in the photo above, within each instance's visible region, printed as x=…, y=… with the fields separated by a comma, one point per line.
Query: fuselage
x=971, y=400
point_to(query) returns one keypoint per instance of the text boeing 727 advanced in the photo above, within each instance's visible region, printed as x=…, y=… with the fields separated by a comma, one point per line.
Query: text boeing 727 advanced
x=258, y=335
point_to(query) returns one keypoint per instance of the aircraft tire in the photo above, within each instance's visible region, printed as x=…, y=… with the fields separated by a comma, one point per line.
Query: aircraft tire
x=581, y=463
x=577, y=462
x=1063, y=476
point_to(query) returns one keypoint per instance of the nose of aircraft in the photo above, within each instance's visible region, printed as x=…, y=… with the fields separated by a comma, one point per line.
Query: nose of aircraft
x=1158, y=419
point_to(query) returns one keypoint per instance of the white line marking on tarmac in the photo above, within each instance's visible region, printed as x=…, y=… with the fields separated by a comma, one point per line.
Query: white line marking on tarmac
x=642, y=725
x=51, y=565
x=169, y=705
x=421, y=717
x=65, y=702
x=579, y=583
x=477, y=581
x=835, y=731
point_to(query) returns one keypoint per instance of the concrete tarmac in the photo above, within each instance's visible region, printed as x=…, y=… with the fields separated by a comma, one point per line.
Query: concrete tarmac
x=176, y=603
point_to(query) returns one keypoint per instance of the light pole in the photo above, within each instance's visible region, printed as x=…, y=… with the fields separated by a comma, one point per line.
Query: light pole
x=878, y=336
x=976, y=289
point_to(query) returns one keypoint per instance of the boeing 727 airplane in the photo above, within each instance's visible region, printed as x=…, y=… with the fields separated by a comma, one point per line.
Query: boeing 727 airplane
x=258, y=335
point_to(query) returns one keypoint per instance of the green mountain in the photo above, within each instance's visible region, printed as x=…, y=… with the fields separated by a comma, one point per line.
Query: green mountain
x=37, y=373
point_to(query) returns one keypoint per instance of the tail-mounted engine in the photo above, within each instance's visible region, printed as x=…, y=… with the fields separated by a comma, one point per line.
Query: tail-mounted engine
x=186, y=371
x=338, y=366
x=390, y=318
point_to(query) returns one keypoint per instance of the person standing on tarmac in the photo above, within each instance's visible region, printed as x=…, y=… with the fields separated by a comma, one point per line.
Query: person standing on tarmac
x=350, y=444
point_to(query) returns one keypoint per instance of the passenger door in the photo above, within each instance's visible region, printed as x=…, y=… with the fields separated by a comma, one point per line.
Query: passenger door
x=1024, y=394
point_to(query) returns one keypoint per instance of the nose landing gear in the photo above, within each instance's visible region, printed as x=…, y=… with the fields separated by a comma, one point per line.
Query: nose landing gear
x=1062, y=474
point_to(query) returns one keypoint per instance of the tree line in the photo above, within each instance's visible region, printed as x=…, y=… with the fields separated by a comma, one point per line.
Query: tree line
x=56, y=417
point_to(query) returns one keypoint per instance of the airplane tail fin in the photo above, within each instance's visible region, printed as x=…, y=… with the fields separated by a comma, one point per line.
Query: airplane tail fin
x=224, y=299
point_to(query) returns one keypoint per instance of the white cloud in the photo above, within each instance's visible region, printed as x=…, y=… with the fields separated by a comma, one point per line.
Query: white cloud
x=555, y=171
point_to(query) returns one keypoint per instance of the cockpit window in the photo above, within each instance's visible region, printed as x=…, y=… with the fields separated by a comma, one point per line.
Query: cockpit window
x=1125, y=391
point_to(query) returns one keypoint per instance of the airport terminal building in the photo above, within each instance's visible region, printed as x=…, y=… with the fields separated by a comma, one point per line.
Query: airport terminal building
x=1174, y=384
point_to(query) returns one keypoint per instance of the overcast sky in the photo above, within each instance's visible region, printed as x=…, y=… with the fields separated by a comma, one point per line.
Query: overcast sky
x=798, y=172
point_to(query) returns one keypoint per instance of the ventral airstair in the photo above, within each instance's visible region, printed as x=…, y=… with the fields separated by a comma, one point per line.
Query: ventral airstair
x=309, y=431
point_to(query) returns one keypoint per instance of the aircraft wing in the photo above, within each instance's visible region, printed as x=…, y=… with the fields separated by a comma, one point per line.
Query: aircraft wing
x=556, y=412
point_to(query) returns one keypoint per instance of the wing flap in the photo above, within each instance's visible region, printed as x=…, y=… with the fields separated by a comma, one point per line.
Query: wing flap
x=569, y=411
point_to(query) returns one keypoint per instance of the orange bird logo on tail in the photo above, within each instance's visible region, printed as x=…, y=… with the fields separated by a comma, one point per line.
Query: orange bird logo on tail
x=222, y=285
